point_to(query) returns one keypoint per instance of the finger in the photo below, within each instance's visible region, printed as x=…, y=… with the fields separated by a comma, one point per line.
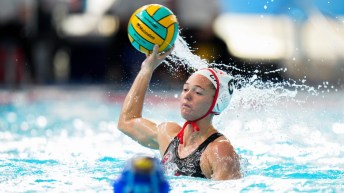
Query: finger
x=155, y=49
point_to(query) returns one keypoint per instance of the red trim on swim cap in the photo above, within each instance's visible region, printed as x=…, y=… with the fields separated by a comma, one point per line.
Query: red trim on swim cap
x=216, y=91
x=180, y=135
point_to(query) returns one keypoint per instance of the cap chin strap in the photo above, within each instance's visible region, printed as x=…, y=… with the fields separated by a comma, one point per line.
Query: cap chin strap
x=195, y=127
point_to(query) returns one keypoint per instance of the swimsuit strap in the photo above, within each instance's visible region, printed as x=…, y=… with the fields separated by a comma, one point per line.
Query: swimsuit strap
x=210, y=139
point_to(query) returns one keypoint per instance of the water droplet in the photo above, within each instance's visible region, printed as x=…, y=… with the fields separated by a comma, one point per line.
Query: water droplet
x=11, y=117
x=338, y=128
x=254, y=77
x=78, y=124
x=24, y=126
x=41, y=121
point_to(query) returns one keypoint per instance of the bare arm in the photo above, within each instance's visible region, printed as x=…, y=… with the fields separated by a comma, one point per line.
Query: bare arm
x=224, y=162
x=130, y=120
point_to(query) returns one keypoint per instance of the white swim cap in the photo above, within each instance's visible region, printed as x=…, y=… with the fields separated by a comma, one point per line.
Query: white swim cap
x=224, y=84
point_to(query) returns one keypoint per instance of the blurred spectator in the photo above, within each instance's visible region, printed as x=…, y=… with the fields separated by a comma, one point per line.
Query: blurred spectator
x=43, y=43
x=16, y=24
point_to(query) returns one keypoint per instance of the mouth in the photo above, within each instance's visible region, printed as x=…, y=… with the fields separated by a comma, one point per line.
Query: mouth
x=185, y=105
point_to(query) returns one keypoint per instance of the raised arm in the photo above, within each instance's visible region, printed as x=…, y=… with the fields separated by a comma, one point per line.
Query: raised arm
x=130, y=120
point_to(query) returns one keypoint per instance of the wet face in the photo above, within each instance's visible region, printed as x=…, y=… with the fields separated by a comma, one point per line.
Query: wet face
x=196, y=97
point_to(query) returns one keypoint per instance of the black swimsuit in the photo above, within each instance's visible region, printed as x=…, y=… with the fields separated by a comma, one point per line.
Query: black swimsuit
x=190, y=165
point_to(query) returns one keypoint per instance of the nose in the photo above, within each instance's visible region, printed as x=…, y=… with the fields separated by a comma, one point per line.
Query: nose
x=187, y=95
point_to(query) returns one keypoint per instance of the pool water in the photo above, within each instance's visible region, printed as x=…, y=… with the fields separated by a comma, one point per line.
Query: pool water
x=64, y=139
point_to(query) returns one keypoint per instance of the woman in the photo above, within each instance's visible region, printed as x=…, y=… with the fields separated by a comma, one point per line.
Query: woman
x=196, y=149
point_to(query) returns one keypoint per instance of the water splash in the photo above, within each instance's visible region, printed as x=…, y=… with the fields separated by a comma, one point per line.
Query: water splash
x=251, y=90
x=266, y=116
x=182, y=55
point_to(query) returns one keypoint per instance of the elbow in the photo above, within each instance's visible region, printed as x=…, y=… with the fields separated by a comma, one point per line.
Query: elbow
x=121, y=125
x=125, y=124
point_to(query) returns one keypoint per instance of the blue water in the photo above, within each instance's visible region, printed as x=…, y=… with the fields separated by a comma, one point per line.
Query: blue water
x=65, y=139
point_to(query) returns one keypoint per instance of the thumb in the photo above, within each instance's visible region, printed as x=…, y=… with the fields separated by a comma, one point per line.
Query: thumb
x=155, y=50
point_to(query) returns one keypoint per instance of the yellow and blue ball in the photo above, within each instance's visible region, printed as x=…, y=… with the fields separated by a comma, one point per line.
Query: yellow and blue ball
x=151, y=25
x=142, y=174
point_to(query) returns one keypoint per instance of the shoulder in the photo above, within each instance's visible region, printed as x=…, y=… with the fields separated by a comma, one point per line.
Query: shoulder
x=224, y=161
x=221, y=147
x=166, y=132
x=169, y=128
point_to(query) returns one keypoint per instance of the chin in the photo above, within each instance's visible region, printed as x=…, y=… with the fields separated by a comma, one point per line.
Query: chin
x=187, y=116
x=184, y=115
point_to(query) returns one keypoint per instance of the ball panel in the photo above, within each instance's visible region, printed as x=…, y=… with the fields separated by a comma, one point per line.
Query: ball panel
x=145, y=32
x=144, y=50
x=151, y=9
x=137, y=11
x=130, y=38
x=175, y=33
x=139, y=39
x=172, y=33
x=162, y=13
x=136, y=45
x=152, y=24
x=167, y=21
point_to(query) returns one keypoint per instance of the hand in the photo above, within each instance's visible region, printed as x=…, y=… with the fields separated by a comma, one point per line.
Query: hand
x=154, y=59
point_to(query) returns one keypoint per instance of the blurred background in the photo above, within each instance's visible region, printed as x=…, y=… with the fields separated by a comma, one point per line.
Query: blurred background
x=49, y=42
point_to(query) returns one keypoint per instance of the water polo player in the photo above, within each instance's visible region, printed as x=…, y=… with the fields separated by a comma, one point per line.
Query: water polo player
x=196, y=148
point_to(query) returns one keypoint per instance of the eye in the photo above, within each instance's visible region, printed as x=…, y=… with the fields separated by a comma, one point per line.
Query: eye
x=199, y=92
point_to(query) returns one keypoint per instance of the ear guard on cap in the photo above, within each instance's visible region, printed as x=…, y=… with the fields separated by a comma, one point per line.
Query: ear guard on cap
x=224, y=83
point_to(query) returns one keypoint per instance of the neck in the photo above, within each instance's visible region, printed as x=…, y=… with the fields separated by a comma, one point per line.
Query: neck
x=205, y=126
